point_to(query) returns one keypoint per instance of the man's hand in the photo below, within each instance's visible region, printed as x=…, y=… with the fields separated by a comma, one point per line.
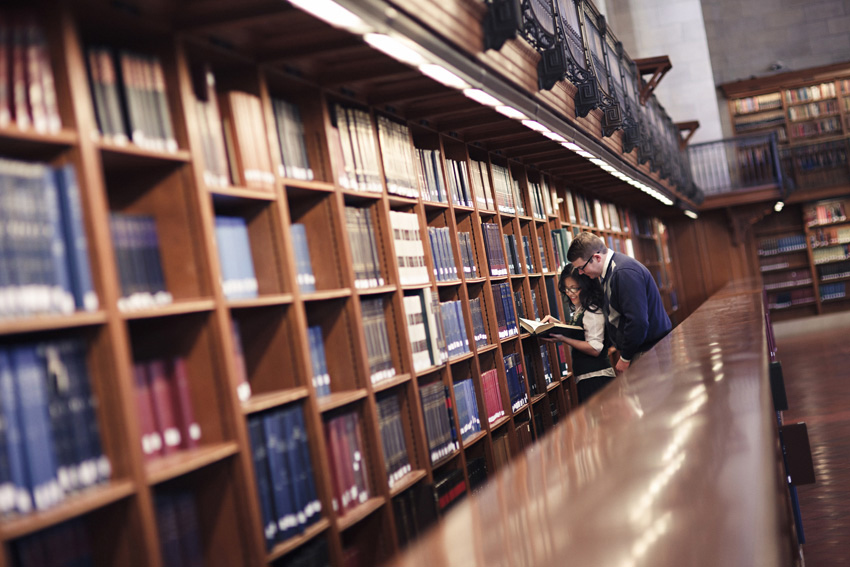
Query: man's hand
x=622, y=365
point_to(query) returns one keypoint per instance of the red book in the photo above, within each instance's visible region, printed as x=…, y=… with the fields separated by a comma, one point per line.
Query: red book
x=243, y=386
x=334, y=451
x=19, y=79
x=163, y=407
x=5, y=107
x=181, y=390
x=151, y=439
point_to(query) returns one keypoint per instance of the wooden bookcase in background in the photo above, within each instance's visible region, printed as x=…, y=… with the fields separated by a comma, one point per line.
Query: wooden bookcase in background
x=197, y=325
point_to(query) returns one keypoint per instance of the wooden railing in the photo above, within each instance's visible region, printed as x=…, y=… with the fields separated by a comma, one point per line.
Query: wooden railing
x=675, y=463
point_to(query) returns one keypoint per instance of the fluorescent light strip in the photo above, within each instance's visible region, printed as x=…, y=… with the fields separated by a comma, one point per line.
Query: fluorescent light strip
x=443, y=76
x=691, y=214
x=395, y=48
x=332, y=13
x=511, y=112
x=554, y=136
x=535, y=125
x=482, y=97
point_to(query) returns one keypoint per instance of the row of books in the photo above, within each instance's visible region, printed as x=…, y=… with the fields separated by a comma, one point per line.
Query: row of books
x=506, y=191
x=836, y=290
x=833, y=253
x=544, y=265
x=524, y=434
x=449, y=488
x=304, y=276
x=454, y=328
x=513, y=255
x=535, y=385
x=824, y=213
x=314, y=553
x=137, y=254
x=431, y=185
x=364, y=249
x=479, y=330
x=561, y=240
x=347, y=462
x=505, y=315
x=459, y=182
x=354, y=140
x=467, y=256
x=130, y=102
x=400, y=170
x=50, y=442
x=834, y=271
x=321, y=378
x=164, y=404
x=516, y=381
x=828, y=236
x=425, y=329
x=781, y=245
x=820, y=127
x=44, y=255
x=27, y=86
x=494, y=249
x=482, y=189
x=528, y=254
x=758, y=103
x=439, y=422
x=179, y=528
x=377, y=339
x=415, y=511
x=813, y=92
x=238, y=279
x=541, y=199
x=247, y=149
x=396, y=461
x=284, y=473
x=445, y=268
x=786, y=279
x=63, y=544
x=519, y=301
x=794, y=297
x=409, y=249
x=814, y=158
x=467, y=408
x=492, y=395
x=813, y=110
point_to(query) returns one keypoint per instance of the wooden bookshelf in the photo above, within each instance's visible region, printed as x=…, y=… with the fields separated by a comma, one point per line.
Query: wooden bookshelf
x=172, y=186
x=809, y=111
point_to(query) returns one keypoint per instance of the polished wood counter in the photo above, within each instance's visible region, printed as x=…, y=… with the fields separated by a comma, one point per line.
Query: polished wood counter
x=676, y=463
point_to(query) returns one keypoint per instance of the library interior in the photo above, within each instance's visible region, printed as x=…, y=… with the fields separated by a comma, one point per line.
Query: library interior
x=292, y=254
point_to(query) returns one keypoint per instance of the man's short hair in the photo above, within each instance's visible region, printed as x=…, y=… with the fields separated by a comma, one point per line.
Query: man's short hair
x=584, y=246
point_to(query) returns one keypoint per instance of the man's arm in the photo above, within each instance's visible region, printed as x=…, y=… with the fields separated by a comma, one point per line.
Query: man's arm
x=628, y=297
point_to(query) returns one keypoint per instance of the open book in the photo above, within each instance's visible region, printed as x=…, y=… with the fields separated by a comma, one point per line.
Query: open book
x=546, y=329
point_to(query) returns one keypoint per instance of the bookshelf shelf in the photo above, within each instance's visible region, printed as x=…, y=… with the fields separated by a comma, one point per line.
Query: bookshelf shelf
x=297, y=541
x=172, y=466
x=170, y=310
x=327, y=295
x=406, y=482
x=75, y=505
x=221, y=194
x=473, y=439
x=499, y=423
x=339, y=399
x=357, y=515
x=16, y=140
x=379, y=290
x=555, y=383
x=41, y=323
x=396, y=380
x=294, y=184
x=262, y=301
x=132, y=156
x=262, y=402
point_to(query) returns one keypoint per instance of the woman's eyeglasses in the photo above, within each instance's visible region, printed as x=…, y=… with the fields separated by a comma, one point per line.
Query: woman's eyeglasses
x=570, y=290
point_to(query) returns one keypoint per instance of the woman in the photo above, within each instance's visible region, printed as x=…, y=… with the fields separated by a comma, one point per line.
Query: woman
x=591, y=366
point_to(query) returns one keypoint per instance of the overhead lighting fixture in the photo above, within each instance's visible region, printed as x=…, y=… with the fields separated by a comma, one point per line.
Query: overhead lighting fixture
x=778, y=206
x=572, y=146
x=511, y=112
x=691, y=214
x=395, y=49
x=443, y=76
x=586, y=155
x=332, y=13
x=554, y=136
x=482, y=97
x=597, y=161
x=535, y=125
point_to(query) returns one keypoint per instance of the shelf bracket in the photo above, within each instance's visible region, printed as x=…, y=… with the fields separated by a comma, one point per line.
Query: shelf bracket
x=658, y=66
x=688, y=128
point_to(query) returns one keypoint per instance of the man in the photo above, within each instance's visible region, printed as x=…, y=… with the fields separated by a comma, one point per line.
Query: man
x=635, y=318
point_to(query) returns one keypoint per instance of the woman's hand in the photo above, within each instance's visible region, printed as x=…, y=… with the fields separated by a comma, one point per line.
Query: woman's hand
x=555, y=338
x=549, y=319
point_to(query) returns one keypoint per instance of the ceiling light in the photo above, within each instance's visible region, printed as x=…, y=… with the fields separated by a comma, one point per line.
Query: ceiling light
x=535, y=125
x=443, y=76
x=585, y=154
x=554, y=136
x=691, y=214
x=332, y=13
x=572, y=146
x=482, y=97
x=778, y=206
x=511, y=112
x=394, y=48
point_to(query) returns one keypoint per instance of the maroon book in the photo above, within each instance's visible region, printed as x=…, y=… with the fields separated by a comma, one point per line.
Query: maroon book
x=151, y=438
x=182, y=397
x=163, y=407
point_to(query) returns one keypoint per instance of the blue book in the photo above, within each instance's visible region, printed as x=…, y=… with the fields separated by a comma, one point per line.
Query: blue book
x=19, y=499
x=189, y=531
x=169, y=528
x=256, y=432
x=61, y=295
x=39, y=449
x=297, y=478
x=303, y=263
x=234, y=249
x=284, y=509
x=59, y=410
x=298, y=432
x=76, y=243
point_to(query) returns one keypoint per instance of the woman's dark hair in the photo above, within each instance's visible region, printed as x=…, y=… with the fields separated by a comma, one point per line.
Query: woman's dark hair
x=590, y=294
